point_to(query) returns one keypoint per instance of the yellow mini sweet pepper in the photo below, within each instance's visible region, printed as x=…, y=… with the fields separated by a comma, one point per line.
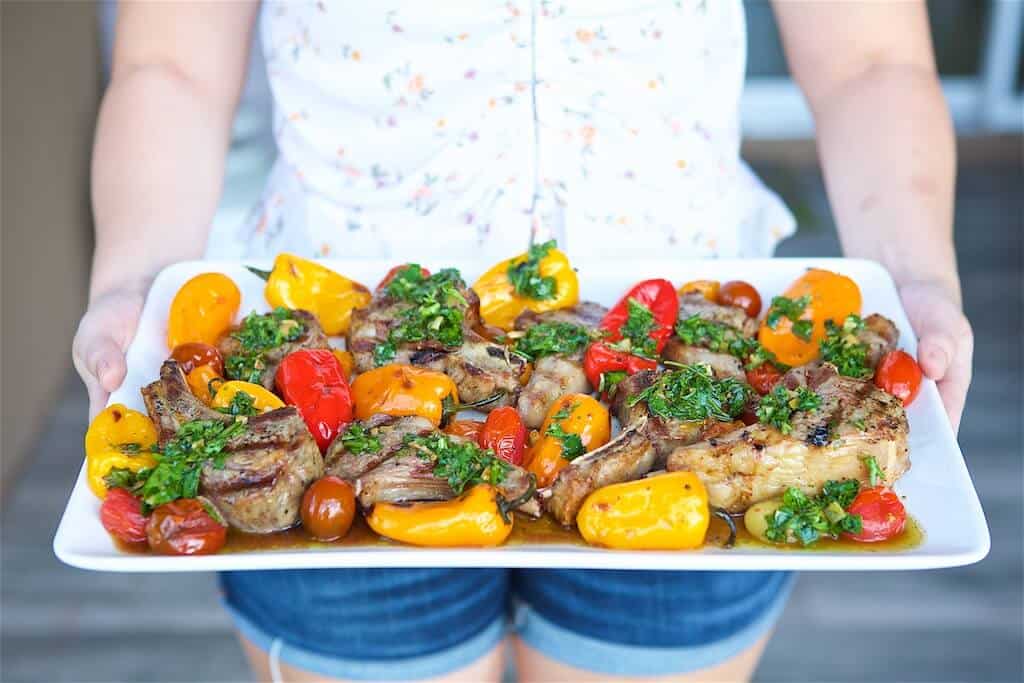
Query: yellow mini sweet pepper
x=539, y=280
x=475, y=519
x=118, y=437
x=575, y=424
x=204, y=380
x=299, y=283
x=262, y=400
x=404, y=390
x=663, y=512
x=202, y=310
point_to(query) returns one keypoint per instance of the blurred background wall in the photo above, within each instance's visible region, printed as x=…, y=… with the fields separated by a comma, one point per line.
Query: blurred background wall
x=952, y=625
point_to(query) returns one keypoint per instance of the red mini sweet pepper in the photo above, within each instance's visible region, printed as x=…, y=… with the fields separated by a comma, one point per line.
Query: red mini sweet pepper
x=605, y=366
x=313, y=381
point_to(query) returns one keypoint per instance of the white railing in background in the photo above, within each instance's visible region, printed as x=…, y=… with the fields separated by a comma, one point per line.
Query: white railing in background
x=774, y=108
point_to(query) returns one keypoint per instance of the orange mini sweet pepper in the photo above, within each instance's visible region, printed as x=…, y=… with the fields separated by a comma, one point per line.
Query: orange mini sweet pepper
x=202, y=310
x=575, y=424
x=404, y=390
x=475, y=519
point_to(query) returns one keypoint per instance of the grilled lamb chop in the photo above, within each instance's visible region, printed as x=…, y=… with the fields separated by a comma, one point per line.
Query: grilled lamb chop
x=267, y=467
x=312, y=338
x=389, y=430
x=642, y=447
x=722, y=364
x=479, y=368
x=406, y=478
x=735, y=318
x=880, y=335
x=556, y=375
x=755, y=463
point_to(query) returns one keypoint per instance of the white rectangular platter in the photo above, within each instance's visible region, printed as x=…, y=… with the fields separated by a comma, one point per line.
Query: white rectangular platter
x=937, y=490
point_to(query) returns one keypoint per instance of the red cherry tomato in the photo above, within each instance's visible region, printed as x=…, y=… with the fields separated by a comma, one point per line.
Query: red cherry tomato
x=192, y=355
x=741, y=294
x=900, y=375
x=505, y=434
x=121, y=515
x=394, y=271
x=468, y=428
x=882, y=515
x=763, y=378
x=184, y=527
x=659, y=297
x=328, y=508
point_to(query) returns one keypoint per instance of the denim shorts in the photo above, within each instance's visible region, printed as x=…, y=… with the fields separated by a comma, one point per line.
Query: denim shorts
x=372, y=624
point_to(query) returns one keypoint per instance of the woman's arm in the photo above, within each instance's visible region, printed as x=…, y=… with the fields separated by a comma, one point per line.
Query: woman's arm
x=888, y=152
x=161, y=139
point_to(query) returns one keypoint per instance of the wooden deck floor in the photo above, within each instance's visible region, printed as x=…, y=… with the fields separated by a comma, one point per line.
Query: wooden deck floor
x=62, y=624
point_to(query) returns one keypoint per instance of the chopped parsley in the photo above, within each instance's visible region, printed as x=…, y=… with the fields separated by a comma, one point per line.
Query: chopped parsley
x=610, y=380
x=436, y=311
x=241, y=404
x=805, y=519
x=875, y=473
x=358, y=440
x=461, y=463
x=572, y=444
x=636, y=331
x=777, y=408
x=692, y=394
x=843, y=349
x=526, y=278
x=124, y=478
x=722, y=338
x=259, y=333
x=791, y=308
x=550, y=338
x=180, y=462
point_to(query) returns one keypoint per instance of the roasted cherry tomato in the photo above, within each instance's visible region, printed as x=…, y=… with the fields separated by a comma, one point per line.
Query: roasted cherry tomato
x=882, y=515
x=185, y=527
x=741, y=294
x=328, y=508
x=202, y=310
x=661, y=301
x=763, y=378
x=469, y=429
x=394, y=271
x=505, y=434
x=900, y=375
x=193, y=354
x=204, y=382
x=709, y=288
x=121, y=515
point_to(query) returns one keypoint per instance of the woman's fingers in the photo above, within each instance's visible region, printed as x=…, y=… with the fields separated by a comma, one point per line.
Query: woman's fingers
x=100, y=342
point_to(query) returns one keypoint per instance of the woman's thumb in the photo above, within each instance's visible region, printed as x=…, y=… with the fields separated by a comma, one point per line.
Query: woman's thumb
x=104, y=360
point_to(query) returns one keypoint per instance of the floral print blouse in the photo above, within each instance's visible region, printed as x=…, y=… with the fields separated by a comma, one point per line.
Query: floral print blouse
x=422, y=130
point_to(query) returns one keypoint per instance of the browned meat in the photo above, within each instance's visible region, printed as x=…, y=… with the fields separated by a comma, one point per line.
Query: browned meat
x=628, y=456
x=623, y=393
x=479, y=368
x=314, y=338
x=389, y=430
x=722, y=364
x=880, y=335
x=555, y=376
x=755, y=463
x=407, y=478
x=267, y=468
x=695, y=304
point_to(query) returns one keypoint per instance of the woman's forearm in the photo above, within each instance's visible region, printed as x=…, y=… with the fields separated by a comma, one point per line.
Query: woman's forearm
x=887, y=148
x=156, y=174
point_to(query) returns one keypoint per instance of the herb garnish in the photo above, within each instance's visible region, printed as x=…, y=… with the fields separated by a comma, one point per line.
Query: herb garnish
x=526, y=278
x=124, y=478
x=358, y=440
x=550, y=338
x=241, y=404
x=722, y=338
x=259, y=333
x=777, y=408
x=636, y=331
x=806, y=519
x=875, y=473
x=436, y=311
x=461, y=463
x=692, y=394
x=791, y=308
x=843, y=349
x=572, y=444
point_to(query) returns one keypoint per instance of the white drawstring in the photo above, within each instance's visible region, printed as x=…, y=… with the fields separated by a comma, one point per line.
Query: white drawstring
x=275, y=661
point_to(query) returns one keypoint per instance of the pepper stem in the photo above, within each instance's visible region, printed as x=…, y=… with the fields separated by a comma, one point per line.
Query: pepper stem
x=262, y=274
x=727, y=518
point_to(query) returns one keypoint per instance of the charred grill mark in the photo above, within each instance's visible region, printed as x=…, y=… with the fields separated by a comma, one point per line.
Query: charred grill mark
x=497, y=352
x=819, y=435
x=245, y=480
x=426, y=356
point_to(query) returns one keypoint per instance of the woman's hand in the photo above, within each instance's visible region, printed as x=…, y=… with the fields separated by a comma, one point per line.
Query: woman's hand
x=103, y=336
x=945, y=341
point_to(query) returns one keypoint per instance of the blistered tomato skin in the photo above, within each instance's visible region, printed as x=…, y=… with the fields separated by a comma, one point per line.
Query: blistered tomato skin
x=505, y=434
x=900, y=375
x=192, y=355
x=882, y=515
x=763, y=378
x=121, y=515
x=469, y=429
x=742, y=295
x=328, y=508
x=184, y=527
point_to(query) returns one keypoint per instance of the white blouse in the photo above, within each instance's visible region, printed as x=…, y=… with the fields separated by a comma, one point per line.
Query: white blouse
x=412, y=130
